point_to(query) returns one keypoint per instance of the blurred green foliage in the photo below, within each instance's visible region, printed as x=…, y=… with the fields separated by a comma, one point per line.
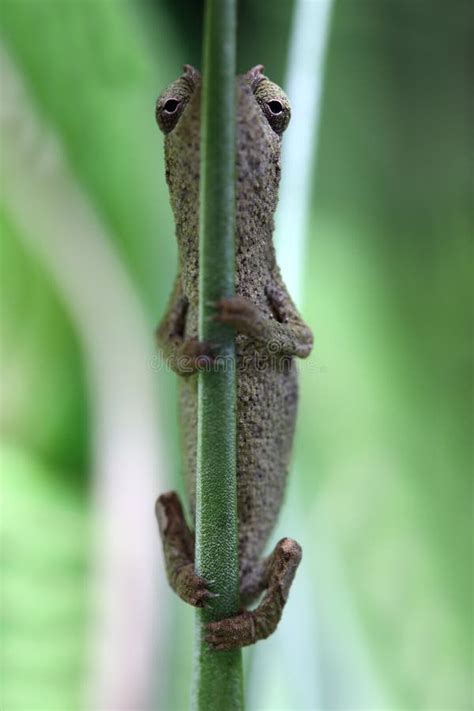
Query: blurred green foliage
x=389, y=421
x=51, y=371
x=384, y=442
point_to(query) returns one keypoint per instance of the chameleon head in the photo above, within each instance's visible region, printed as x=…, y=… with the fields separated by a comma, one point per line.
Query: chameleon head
x=262, y=114
x=273, y=102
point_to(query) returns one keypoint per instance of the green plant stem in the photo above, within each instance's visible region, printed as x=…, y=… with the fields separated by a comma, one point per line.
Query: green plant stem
x=218, y=675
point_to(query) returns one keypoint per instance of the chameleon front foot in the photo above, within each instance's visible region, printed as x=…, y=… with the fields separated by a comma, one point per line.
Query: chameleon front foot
x=250, y=626
x=192, y=356
x=283, y=334
x=241, y=314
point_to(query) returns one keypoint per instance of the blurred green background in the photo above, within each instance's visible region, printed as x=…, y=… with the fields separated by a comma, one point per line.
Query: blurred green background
x=381, y=495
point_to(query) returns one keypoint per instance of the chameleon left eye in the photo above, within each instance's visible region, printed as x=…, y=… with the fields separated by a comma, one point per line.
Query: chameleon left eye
x=171, y=106
x=272, y=100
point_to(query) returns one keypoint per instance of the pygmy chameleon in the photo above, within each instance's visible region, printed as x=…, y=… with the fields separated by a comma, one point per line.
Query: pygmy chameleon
x=269, y=334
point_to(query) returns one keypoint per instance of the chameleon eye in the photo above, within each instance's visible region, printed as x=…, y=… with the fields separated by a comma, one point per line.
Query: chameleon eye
x=277, y=114
x=275, y=107
x=272, y=100
x=168, y=112
x=172, y=102
x=171, y=106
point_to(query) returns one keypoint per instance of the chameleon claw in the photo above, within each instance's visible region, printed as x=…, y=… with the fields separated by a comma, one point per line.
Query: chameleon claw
x=192, y=588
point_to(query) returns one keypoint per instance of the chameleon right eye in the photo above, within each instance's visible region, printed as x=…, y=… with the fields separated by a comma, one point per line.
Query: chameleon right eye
x=168, y=112
x=172, y=102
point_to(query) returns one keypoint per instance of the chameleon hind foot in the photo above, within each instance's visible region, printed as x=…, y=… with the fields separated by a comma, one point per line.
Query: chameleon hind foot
x=252, y=625
x=178, y=550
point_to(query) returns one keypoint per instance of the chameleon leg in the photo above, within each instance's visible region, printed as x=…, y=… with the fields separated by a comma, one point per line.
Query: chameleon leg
x=178, y=550
x=288, y=336
x=183, y=355
x=254, y=581
x=251, y=626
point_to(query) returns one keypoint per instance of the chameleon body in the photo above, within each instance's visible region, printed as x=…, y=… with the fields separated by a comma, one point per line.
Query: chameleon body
x=269, y=334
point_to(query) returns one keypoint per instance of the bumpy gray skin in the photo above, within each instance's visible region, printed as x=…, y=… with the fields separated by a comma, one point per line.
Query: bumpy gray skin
x=269, y=333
